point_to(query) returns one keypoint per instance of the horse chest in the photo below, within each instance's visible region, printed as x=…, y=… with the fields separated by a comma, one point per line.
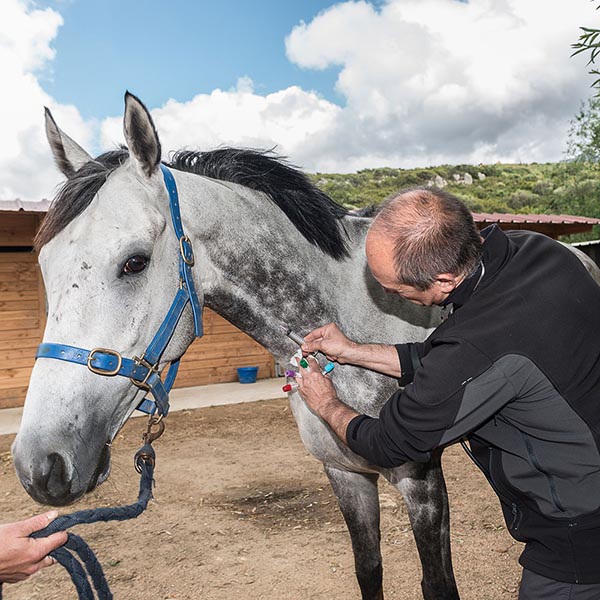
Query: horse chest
x=320, y=440
x=362, y=390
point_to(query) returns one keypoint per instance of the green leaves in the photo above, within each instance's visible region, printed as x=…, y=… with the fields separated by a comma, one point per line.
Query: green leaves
x=569, y=187
x=583, y=141
x=589, y=41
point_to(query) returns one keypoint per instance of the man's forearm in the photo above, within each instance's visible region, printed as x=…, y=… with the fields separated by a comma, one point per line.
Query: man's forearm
x=376, y=357
x=338, y=415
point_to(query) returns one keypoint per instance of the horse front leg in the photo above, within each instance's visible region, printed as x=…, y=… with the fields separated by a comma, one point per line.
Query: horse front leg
x=426, y=498
x=358, y=499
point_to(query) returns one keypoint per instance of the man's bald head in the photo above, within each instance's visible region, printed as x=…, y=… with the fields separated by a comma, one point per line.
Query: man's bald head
x=430, y=232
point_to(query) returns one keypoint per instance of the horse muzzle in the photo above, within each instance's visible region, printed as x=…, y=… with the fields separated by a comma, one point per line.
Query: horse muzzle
x=53, y=479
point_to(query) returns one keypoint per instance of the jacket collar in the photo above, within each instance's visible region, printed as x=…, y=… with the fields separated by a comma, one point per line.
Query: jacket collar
x=494, y=255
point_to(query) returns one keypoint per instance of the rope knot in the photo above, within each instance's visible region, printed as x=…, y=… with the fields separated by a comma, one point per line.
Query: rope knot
x=144, y=456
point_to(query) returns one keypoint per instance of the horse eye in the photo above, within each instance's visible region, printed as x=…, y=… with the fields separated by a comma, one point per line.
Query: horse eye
x=135, y=264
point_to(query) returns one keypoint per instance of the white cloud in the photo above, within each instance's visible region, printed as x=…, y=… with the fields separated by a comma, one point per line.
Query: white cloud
x=423, y=82
x=288, y=119
x=26, y=168
x=429, y=81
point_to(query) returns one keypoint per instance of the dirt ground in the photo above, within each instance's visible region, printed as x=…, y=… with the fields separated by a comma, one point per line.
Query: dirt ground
x=243, y=511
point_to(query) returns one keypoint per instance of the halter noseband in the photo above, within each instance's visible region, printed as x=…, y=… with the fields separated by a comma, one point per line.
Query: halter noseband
x=144, y=371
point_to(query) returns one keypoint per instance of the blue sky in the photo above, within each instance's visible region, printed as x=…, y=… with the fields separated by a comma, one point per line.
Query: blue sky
x=176, y=49
x=335, y=86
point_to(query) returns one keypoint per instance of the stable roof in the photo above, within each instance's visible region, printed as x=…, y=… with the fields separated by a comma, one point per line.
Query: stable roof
x=24, y=205
x=550, y=225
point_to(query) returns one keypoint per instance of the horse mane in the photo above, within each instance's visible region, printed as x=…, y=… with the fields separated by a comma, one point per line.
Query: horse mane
x=315, y=215
x=77, y=193
x=370, y=211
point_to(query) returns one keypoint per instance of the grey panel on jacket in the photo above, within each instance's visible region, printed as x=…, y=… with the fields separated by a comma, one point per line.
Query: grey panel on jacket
x=548, y=452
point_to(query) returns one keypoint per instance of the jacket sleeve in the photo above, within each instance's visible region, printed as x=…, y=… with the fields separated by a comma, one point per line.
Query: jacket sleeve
x=455, y=390
x=409, y=356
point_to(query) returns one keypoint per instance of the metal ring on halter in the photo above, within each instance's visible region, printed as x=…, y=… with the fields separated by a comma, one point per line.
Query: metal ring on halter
x=184, y=239
x=151, y=369
x=102, y=371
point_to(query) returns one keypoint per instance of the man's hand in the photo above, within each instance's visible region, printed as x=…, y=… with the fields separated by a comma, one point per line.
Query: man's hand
x=330, y=341
x=20, y=555
x=319, y=393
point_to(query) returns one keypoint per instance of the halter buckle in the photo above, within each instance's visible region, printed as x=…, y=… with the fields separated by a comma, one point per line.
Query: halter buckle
x=184, y=244
x=142, y=362
x=105, y=372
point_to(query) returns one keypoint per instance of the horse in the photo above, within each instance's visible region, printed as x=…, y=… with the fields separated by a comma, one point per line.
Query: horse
x=271, y=252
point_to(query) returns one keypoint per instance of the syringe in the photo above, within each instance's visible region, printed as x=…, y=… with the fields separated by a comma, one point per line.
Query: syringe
x=295, y=337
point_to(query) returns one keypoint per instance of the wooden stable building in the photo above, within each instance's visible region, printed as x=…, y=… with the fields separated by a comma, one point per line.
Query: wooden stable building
x=211, y=359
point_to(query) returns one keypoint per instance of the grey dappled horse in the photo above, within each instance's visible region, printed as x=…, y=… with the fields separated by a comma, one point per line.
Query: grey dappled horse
x=270, y=250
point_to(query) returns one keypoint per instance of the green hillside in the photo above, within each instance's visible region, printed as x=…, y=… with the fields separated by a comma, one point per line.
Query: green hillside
x=557, y=188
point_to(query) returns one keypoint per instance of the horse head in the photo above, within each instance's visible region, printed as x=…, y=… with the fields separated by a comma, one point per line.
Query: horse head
x=109, y=261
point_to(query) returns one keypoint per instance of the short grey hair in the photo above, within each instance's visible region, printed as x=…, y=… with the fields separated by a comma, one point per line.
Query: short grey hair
x=433, y=233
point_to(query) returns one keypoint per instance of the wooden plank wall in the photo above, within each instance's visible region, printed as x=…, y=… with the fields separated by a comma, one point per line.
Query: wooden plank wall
x=212, y=359
x=22, y=322
x=18, y=228
x=215, y=357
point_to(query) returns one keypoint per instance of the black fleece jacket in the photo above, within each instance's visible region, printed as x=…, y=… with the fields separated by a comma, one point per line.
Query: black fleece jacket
x=516, y=369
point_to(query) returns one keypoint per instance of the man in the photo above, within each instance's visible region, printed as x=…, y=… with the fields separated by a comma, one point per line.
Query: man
x=20, y=555
x=515, y=368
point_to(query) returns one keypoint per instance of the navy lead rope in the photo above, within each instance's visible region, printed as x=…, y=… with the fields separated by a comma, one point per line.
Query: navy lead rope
x=76, y=556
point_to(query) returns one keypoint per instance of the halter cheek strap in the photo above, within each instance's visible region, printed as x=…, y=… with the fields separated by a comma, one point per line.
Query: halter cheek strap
x=144, y=371
x=186, y=252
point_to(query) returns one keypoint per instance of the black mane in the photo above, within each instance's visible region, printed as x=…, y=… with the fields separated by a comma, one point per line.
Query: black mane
x=77, y=192
x=313, y=213
x=370, y=211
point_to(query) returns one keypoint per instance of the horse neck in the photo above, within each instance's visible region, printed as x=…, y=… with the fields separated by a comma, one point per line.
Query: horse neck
x=256, y=269
x=263, y=276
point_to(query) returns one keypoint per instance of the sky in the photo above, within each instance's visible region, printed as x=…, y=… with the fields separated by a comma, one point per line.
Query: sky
x=334, y=86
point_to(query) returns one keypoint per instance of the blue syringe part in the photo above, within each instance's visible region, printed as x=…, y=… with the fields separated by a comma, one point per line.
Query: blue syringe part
x=328, y=368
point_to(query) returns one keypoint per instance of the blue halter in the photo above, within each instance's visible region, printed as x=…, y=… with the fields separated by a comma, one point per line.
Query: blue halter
x=144, y=371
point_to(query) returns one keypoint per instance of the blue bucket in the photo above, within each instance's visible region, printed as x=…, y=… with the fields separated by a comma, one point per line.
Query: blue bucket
x=247, y=374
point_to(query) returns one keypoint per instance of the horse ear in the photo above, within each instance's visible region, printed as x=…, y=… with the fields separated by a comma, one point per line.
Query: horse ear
x=140, y=135
x=68, y=154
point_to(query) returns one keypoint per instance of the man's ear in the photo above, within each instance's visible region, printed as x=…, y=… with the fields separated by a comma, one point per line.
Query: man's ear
x=447, y=282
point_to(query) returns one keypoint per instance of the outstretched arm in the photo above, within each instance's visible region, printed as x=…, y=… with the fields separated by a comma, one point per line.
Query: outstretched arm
x=330, y=340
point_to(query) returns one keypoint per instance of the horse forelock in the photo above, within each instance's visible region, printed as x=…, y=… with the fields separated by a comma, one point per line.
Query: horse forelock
x=77, y=192
x=314, y=214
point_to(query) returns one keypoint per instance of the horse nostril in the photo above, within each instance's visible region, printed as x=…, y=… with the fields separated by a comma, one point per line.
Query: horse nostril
x=58, y=482
x=102, y=469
